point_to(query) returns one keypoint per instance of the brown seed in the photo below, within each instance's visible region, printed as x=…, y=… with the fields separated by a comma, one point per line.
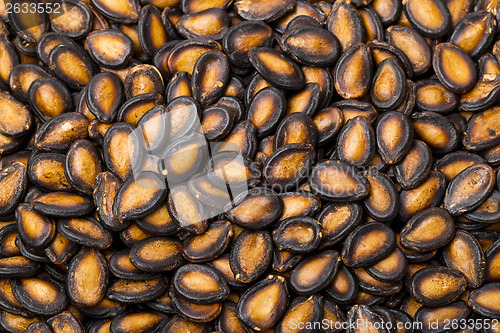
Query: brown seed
x=187, y=211
x=344, y=287
x=17, y=119
x=60, y=250
x=390, y=269
x=263, y=304
x=337, y=180
x=209, y=245
x=251, y=255
x=58, y=133
x=85, y=231
x=49, y=98
x=104, y=96
x=83, y=164
x=437, y=131
x=415, y=166
x=469, y=189
x=463, y=77
x=35, y=229
x=156, y=254
x=142, y=79
x=356, y=142
x=266, y=110
x=15, y=323
x=388, y=87
x=426, y=285
x=456, y=311
x=483, y=300
x=474, y=33
x=21, y=78
x=139, y=321
x=125, y=12
x=263, y=10
x=433, y=21
x=338, y=220
x=105, y=189
x=87, y=277
x=353, y=72
x=71, y=64
x=481, y=130
x=200, y=284
x=210, y=77
x=62, y=204
x=98, y=44
x=345, y=22
x=302, y=310
x=185, y=54
x=433, y=96
x=150, y=30
x=488, y=211
x=314, y=273
x=372, y=23
x=40, y=295
x=382, y=202
x=368, y=244
x=365, y=314
x=375, y=287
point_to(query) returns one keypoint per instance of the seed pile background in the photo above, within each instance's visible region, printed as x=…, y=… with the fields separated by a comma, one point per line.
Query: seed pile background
x=210, y=165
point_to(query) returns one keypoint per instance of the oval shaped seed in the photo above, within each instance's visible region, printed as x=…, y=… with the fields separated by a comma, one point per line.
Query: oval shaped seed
x=464, y=253
x=121, y=266
x=437, y=131
x=328, y=122
x=488, y=211
x=338, y=220
x=356, y=142
x=311, y=46
x=469, y=189
x=382, y=202
x=104, y=96
x=353, y=72
x=133, y=292
x=433, y=96
x=62, y=204
x=156, y=254
x=241, y=37
x=257, y=209
x=222, y=264
x=121, y=149
x=60, y=250
x=185, y=54
x=483, y=300
x=228, y=320
x=337, y=180
x=411, y=44
x=200, y=284
x=345, y=22
x=126, y=11
x=85, y=231
x=35, y=229
x=390, y=269
x=368, y=244
x=388, y=87
x=83, y=164
x=210, y=244
x=142, y=79
x=15, y=323
x=299, y=203
x=105, y=189
x=49, y=98
x=263, y=304
x=150, y=30
x=197, y=312
x=295, y=128
x=40, y=295
x=99, y=43
x=243, y=138
x=369, y=284
x=21, y=78
x=183, y=158
x=481, y=130
x=210, y=77
x=302, y=310
x=71, y=64
x=299, y=234
x=288, y=165
x=344, y=286
x=60, y=132
x=283, y=260
x=263, y=10
x=46, y=170
x=187, y=211
x=314, y=273
x=266, y=110
x=251, y=255
x=211, y=23
x=463, y=77
x=143, y=321
x=394, y=136
x=426, y=285
x=16, y=118
x=276, y=68
x=431, y=17
x=87, y=277
x=474, y=32
x=76, y=23
x=428, y=230
x=433, y=318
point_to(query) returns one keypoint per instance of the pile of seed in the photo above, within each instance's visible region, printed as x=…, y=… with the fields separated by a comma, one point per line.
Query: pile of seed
x=249, y=166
